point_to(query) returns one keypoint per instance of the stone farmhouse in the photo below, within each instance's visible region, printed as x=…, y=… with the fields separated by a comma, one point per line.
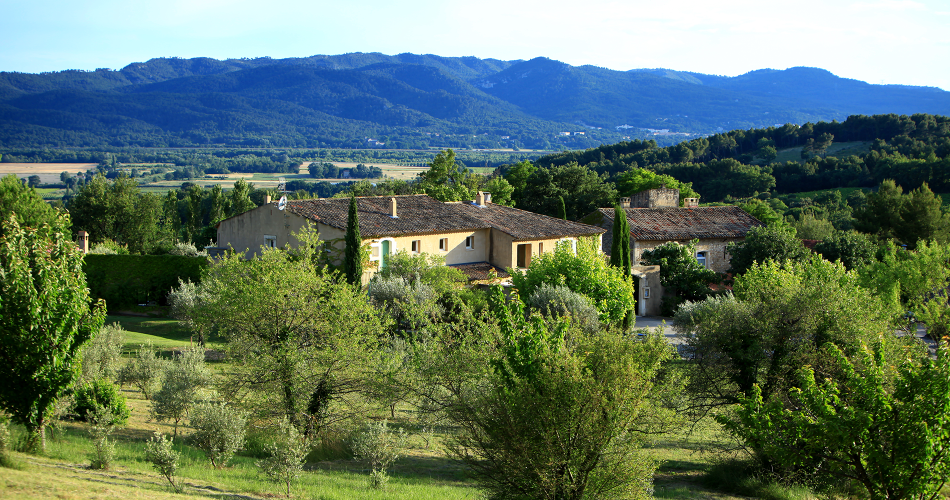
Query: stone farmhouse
x=655, y=218
x=475, y=236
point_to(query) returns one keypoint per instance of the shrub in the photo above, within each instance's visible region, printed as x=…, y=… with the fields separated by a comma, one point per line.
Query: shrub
x=145, y=370
x=186, y=249
x=556, y=301
x=182, y=382
x=101, y=355
x=159, y=453
x=109, y=247
x=103, y=424
x=585, y=272
x=219, y=431
x=286, y=458
x=379, y=447
x=5, y=459
x=101, y=393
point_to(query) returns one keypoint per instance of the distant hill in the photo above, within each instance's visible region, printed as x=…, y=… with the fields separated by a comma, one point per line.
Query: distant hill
x=419, y=101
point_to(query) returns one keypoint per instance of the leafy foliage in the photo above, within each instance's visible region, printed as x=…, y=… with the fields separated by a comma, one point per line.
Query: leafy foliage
x=101, y=393
x=102, y=354
x=885, y=427
x=145, y=370
x=562, y=419
x=586, y=272
x=777, y=321
x=102, y=422
x=680, y=271
x=47, y=318
x=182, y=382
x=762, y=244
x=558, y=301
x=286, y=456
x=379, y=446
x=164, y=458
x=219, y=431
x=30, y=210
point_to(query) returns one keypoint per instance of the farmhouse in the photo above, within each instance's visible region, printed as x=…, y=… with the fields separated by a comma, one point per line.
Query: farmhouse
x=474, y=235
x=655, y=218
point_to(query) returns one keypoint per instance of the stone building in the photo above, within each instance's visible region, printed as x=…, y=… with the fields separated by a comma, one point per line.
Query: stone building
x=655, y=218
x=475, y=236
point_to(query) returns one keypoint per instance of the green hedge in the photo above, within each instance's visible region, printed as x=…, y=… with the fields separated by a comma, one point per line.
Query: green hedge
x=125, y=280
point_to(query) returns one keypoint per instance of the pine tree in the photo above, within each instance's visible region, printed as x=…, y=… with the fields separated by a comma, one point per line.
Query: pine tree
x=352, y=262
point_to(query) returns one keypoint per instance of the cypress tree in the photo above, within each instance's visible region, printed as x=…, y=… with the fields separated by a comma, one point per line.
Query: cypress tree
x=620, y=246
x=352, y=263
x=562, y=209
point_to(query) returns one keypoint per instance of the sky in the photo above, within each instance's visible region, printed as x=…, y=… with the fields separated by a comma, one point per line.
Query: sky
x=878, y=41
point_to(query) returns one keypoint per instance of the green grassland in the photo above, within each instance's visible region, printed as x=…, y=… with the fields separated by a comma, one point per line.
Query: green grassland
x=837, y=149
x=424, y=472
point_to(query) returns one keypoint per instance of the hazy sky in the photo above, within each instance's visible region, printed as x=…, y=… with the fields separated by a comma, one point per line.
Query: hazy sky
x=878, y=41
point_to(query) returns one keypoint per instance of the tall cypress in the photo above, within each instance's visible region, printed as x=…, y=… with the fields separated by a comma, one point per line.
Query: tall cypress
x=562, y=209
x=620, y=246
x=352, y=263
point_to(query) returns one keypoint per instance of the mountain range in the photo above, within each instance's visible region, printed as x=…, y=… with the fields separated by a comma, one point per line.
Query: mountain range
x=418, y=101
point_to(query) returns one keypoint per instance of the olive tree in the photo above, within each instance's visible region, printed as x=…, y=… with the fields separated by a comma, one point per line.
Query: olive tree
x=297, y=334
x=47, y=318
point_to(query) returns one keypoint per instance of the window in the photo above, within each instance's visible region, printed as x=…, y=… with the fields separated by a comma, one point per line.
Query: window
x=416, y=246
x=470, y=242
x=444, y=244
x=570, y=241
x=270, y=241
x=701, y=258
x=540, y=248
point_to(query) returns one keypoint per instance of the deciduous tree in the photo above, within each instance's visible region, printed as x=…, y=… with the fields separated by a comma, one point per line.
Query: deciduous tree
x=47, y=318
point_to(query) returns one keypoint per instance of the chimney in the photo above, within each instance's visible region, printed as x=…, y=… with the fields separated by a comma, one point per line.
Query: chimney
x=266, y=199
x=83, y=242
x=487, y=197
x=480, y=199
x=625, y=202
x=392, y=208
x=690, y=202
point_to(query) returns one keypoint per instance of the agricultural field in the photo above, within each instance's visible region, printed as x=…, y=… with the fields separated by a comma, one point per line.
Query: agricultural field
x=48, y=172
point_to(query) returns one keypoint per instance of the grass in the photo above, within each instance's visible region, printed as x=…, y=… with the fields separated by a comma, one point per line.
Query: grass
x=837, y=149
x=845, y=192
x=424, y=472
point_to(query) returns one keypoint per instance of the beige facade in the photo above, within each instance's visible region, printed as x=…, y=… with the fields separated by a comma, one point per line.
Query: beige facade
x=713, y=250
x=267, y=226
x=649, y=290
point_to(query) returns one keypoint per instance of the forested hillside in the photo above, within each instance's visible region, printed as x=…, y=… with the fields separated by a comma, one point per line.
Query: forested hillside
x=413, y=101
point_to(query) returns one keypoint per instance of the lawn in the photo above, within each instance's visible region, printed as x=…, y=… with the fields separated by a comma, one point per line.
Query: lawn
x=837, y=149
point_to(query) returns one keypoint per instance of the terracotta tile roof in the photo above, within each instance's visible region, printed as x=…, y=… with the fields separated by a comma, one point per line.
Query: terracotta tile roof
x=680, y=223
x=524, y=225
x=479, y=270
x=421, y=214
x=417, y=214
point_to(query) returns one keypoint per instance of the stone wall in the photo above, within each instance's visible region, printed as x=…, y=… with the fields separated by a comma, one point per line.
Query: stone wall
x=717, y=258
x=654, y=198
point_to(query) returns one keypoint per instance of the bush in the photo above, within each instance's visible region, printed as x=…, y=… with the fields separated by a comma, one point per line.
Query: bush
x=379, y=447
x=5, y=459
x=586, y=273
x=182, y=382
x=145, y=370
x=219, y=431
x=560, y=419
x=101, y=355
x=555, y=301
x=109, y=247
x=101, y=393
x=187, y=250
x=286, y=456
x=103, y=424
x=159, y=453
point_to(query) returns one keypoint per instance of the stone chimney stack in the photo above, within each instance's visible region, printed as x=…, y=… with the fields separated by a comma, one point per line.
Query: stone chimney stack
x=487, y=197
x=392, y=208
x=266, y=199
x=690, y=202
x=480, y=199
x=625, y=202
x=83, y=242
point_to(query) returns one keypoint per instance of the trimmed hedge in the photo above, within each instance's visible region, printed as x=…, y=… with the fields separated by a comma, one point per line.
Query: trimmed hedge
x=125, y=280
